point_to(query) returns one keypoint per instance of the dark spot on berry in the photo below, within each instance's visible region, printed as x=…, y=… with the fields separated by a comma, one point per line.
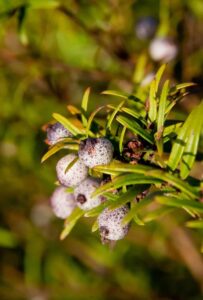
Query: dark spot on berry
x=104, y=231
x=81, y=199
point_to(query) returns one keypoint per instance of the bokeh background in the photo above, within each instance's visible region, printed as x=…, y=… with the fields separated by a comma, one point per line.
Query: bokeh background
x=50, y=52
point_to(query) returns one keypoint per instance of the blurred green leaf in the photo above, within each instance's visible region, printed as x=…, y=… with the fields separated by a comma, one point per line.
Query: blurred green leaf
x=7, y=239
x=181, y=203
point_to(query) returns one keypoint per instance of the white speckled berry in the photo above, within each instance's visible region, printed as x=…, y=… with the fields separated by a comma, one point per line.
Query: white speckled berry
x=110, y=224
x=75, y=175
x=163, y=48
x=56, y=133
x=83, y=193
x=62, y=203
x=96, y=151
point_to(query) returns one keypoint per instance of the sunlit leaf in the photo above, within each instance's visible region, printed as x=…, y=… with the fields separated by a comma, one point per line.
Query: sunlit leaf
x=114, y=93
x=68, y=124
x=84, y=105
x=181, y=203
x=114, y=113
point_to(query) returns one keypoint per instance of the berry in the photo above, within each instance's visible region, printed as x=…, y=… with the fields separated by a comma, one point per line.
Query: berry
x=56, y=133
x=83, y=193
x=163, y=48
x=96, y=151
x=110, y=224
x=145, y=28
x=75, y=175
x=62, y=203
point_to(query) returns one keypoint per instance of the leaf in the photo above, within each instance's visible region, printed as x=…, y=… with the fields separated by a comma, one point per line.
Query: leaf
x=186, y=142
x=158, y=76
x=191, y=147
x=140, y=67
x=84, y=105
x=52, y=151
x=67, y=124
x=152, y=113
x=195, y=224
x=95, y=226
x=121, y=139
x=186, y=188
x=69, y=166
x=92, y=116
x=127, y=197
x=181, y=203
x=126, y=179
x=96, y=210
x=116, y=167
x=134, y=114
x=57, y=147
x=114, y=93
x=162, y=107
x=114, y=113
x=135, y=128
x=73, y=110
x=71, y=221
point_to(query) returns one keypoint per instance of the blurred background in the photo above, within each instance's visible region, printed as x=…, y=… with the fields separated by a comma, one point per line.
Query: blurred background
x=50, y=52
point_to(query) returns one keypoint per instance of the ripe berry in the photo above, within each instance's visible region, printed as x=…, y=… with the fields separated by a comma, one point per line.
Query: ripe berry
x=62, y=203
x=110, y=224
x=75, y=175
x=57, y=132
x=96, y=151
x=163, y=48
x=83, y=193
x=145, y=27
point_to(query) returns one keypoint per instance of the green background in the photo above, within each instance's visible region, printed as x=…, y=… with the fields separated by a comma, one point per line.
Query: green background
x=50, y=52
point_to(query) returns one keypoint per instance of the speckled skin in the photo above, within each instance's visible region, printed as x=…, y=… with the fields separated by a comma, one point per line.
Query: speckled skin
x=163, y=49
x=75, y=175
x=84, y=191
x=62, y=203
x=96, y=151
x=110, y=226
x=57, y=132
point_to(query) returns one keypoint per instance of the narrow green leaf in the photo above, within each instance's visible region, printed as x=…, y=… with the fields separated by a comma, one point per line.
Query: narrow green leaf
x=181, y=203
x=186, y=188
x=114, y=93
x=136, y=128
x=67, y=124
x=95, y=226
x=187, y=141
x=140, y=67
x=57, y=147
x=84, y=105
x=92, y=116
x=71, y=221
x=121, y=139
x=152, y=113
x=116, y=167
x=114, y=113
x=158, y=76
x=127, y=179
x=127, y=197
x=191, y=147
x=69, y=166
x=195, y=224
x=162, y=107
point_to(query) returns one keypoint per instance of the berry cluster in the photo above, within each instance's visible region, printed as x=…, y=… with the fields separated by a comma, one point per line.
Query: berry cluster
x=73, y=172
